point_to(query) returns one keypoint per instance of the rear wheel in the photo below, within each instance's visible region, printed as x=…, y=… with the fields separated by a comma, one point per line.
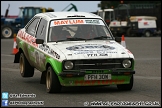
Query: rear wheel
x=126, y=86
x=128, y=32
x=147, y=34
x=52, y=82
x=6, y=31
x=26, y=70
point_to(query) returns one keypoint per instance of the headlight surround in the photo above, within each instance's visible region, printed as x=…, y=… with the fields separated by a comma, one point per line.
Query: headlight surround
x=126, y=63
x=68, y=65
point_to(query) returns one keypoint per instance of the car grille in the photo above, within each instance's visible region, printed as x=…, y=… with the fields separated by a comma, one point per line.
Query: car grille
x=98, y=64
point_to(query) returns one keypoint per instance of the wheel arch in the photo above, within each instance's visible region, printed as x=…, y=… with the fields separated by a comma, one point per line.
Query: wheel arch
x=146, y=30
x=56, y=65
x=17, y=55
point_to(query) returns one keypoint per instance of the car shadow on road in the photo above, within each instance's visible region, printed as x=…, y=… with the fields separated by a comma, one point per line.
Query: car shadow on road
x=90, y=89
x=35, y=83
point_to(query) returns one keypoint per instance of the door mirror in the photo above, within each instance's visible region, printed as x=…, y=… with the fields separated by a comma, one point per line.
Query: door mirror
x=39, y=41
x=118, y=39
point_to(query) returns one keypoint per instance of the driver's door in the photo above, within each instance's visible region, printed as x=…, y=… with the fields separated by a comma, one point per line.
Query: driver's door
x=42, y=48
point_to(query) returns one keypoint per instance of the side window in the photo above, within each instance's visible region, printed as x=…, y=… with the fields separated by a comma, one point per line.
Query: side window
x=32, y=27
x=25, y=13
x=30, y=15
x=41, y=29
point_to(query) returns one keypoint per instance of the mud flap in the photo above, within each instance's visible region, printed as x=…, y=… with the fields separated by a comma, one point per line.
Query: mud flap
x=17, y=57
x=43, y=78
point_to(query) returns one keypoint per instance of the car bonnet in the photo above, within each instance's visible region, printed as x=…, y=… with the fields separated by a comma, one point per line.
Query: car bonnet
x=92, y=50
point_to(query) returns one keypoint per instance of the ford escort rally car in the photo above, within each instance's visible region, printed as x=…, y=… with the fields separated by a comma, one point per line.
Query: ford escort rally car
x=73, y=49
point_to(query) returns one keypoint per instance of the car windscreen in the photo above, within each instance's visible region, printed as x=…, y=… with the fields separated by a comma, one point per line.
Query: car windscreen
x=78, y=29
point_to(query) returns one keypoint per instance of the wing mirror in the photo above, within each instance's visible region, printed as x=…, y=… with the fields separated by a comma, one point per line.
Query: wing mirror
x=118, y=39
x=39, y=41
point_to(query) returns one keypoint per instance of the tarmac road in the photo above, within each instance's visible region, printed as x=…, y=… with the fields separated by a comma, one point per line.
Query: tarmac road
x=146, y=89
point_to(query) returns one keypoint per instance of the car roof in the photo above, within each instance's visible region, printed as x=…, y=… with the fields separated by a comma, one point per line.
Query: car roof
x=64, y=15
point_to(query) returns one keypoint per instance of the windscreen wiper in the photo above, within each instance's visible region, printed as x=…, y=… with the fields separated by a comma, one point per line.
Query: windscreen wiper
x=61, y=40
x=102, y=37
x=75, y=39
x=71, y=39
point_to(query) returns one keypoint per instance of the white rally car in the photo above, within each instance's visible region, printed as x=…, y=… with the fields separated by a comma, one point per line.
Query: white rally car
x=73, y=49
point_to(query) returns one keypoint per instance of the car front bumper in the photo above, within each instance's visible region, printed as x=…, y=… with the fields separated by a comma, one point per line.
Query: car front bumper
x=77, y=78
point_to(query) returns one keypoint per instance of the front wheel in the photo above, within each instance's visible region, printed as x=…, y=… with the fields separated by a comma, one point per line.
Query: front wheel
x=26, y=70
x=126, y=86
x=52, y=82
x=6, y=31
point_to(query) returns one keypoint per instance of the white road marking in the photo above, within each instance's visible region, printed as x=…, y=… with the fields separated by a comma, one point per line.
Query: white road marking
x=147, y=59
x=7, y=55
x=10, y=69
x=14, y=70
x=147, y=77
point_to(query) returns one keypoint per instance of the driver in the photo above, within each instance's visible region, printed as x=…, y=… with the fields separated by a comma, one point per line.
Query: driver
x=86, y=32
x=59, y=34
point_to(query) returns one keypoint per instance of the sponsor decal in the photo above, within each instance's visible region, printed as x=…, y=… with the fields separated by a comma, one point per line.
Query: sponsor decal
x=48, y=50
x=28, y=38
x=92, y=21
x=99, y=82
x=90, y=46
x=76, y=21
x=66, y=22
x=93, y=55
x=92, y=49
x=145, y=23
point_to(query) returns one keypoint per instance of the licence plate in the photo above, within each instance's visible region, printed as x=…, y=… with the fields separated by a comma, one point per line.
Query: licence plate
x=97, y=77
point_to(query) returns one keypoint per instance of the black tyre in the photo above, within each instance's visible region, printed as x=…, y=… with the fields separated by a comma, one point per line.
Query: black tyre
x=43, y=77
x=6, y=31
x=126, y=86
x=128, y=34
x=147, y=34
x=26, y=70
x=52, y=82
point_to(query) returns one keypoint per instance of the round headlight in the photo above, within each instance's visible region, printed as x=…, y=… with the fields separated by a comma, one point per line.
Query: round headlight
x=126, y=63
x=68, y=65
